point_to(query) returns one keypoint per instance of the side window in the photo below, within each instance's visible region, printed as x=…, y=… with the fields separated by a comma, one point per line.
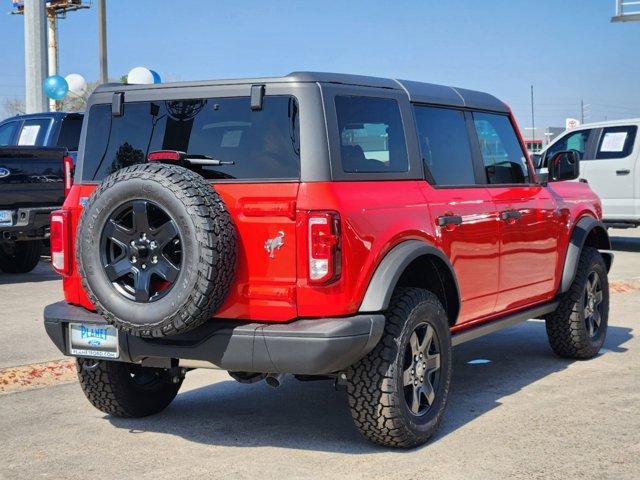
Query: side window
x=33, y=132
x=444, y=142
x=371, y=135
x=6, y=133
x=69, y=135
x=616, y=142
x=504, y=160
x=573, y=141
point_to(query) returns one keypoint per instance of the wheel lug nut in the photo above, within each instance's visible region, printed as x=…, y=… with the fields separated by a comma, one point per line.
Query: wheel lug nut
x=134, y=259
x=153, y=244
x=143, y=266
x=154, y=259
x=133, y=243
x=422, y=379
x=420, y=355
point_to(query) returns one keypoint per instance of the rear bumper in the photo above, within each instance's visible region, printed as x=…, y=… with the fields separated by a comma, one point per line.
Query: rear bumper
x=304, y=346
x=28, y=223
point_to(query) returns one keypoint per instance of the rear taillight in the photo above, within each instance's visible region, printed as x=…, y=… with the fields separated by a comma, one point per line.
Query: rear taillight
x=324, y=247
x=68, y=174
x=59, y=240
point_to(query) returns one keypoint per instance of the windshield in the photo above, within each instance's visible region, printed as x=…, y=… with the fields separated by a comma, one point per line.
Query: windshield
x=249, y=144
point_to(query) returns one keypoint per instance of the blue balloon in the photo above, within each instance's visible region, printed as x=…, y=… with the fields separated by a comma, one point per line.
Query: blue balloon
x=55, y=87
x=156, y=77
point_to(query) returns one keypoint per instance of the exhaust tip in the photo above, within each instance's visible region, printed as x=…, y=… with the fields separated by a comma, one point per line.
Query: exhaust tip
x=274, y=380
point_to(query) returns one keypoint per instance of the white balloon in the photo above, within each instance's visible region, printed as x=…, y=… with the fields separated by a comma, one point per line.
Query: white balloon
x=77, y=84
x=140, y=76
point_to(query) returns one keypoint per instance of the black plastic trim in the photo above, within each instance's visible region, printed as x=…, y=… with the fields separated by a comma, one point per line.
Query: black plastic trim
x=304, y=346
x=384, y=280
x=581, y=231
x=504, y=322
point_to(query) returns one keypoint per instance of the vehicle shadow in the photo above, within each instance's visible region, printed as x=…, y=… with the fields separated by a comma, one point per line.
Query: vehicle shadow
x=42, y=273
x=625, y=244
x=312, y=416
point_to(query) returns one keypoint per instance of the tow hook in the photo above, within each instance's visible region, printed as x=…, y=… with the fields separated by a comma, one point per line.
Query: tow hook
x=177, y=374
x=88, y=367
x=341, y=381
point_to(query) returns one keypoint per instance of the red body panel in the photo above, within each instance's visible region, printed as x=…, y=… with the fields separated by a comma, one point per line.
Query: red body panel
x=500, y=266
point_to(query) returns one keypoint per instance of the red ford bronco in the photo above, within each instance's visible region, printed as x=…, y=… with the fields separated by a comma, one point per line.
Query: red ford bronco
x=320, y=225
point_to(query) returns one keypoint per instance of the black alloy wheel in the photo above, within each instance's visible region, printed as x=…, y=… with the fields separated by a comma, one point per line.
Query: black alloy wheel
x=421, y=369
x=140, y=248
x=593, y=304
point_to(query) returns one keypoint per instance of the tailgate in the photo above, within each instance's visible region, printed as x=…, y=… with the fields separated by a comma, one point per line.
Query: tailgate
x=265, y=218
x=31, y=177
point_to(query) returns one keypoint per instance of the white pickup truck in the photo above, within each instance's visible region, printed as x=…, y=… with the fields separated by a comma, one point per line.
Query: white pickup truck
x=610, y=162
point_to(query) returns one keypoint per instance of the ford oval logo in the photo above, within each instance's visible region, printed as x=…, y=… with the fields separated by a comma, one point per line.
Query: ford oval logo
x=4, y=172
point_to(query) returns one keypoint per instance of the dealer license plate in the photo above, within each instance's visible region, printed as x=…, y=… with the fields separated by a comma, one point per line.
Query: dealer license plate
x=93, y=340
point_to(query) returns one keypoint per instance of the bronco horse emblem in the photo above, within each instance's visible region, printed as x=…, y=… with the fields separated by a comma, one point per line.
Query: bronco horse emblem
x=273, y=244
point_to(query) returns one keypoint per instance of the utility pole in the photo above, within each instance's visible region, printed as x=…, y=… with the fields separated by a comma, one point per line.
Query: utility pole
x=35, y=55
x=533, y=118
x=102, y=40
x=52, y=48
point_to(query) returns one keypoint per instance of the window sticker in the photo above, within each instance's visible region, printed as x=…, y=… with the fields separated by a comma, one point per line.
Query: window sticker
x=613, y=141
x=28, y=135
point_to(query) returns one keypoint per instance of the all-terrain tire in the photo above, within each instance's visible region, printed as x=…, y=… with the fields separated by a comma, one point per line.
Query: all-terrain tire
x=208, y=245
x=567, y=326
x=126, y=390
x=375, y=384
x=20, y=257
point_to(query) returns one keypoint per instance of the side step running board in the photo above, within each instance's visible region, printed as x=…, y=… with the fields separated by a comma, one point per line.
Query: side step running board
x=504, y=322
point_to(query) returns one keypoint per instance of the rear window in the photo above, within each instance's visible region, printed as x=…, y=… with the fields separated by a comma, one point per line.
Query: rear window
x=69, y=135
x=33, y=132
x=371, y=135
x=262, y=144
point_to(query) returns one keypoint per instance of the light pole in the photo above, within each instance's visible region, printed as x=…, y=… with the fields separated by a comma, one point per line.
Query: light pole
x=102, y=40
x=52, y=49
x=35, y=55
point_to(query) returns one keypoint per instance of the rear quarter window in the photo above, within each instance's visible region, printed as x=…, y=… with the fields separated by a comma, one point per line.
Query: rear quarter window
x=372, y=138
x=69, y=135
x=259, y=145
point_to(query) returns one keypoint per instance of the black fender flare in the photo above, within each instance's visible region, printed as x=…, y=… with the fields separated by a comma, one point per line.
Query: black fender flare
x=581, y=231
x=391, y=267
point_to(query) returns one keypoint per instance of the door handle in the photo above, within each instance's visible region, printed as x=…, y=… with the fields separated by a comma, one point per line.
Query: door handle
x=445, y=220
x=508, y=215
x=623, y=172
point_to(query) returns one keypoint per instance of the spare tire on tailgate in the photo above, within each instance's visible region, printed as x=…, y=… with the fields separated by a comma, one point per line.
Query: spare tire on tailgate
x=156, y=250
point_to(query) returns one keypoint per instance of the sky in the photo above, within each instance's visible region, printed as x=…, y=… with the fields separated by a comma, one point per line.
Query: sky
x=567, y=49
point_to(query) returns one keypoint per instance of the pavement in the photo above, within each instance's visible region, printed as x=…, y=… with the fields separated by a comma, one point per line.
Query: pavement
x=521, y=413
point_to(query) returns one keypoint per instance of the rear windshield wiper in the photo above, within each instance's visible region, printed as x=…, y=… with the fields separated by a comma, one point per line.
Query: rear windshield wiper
x=207, y=160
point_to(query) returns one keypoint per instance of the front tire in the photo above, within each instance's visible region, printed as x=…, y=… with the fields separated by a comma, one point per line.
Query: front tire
x=20, y=257
x=399, y=391
x=578, y=327
x=124, y=389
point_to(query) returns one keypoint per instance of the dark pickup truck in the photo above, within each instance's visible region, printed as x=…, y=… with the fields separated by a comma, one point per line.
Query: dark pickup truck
x=37, y=157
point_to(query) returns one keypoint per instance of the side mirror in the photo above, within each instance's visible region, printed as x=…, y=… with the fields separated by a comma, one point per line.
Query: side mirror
x=564, y=166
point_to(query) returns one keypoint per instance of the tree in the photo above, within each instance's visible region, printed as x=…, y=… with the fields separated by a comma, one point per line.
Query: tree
x=13, y=106
x=71, y=103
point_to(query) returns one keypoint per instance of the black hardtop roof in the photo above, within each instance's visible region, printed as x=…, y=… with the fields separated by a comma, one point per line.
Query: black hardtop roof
x=419, y=92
